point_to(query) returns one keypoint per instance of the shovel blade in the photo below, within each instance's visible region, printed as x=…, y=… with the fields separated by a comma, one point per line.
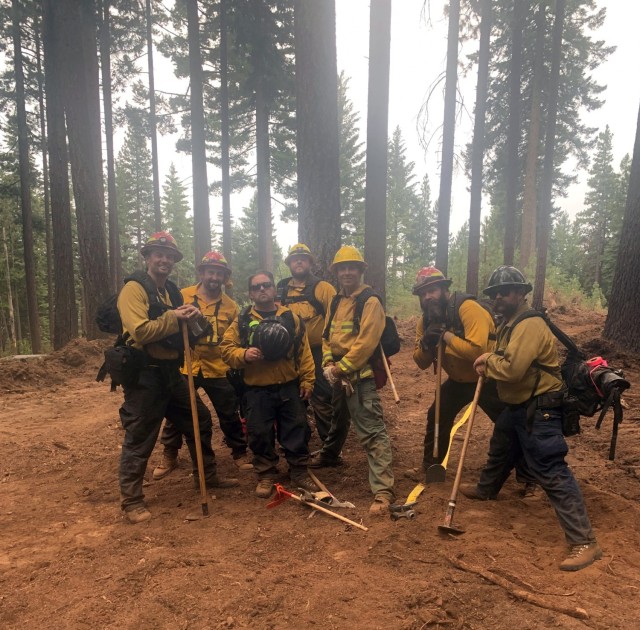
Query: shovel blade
x=436, y=474
x=450, y=529
x=198, y=516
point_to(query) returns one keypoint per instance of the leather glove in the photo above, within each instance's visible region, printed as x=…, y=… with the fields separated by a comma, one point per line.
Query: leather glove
x=328, y=374
x=432, y=335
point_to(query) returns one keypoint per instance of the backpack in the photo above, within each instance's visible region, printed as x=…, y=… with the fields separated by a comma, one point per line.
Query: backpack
x=390, y=340
x=308, y=294
x=592, y=385
x=453, y=312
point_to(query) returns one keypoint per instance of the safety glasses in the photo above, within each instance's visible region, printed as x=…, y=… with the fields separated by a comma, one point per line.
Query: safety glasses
x=261, y=285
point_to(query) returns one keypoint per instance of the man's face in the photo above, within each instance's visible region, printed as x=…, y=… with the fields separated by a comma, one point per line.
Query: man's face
x=506, y=300
x=212, y=279
x=160, y=261
x=300, y=265
x=433, y=300
x=262, y=291
x=349, y=275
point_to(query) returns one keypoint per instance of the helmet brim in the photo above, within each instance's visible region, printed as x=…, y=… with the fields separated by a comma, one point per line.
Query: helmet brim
x=287, y=260
x=177, y=254
x=490, y=291
x=202, y=266
x=419, y=287
x=334, y=266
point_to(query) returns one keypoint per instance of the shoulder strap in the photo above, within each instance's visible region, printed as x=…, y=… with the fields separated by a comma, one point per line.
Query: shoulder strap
x=175, y=295
x=525, y=315
x=281, y=290
x=453, y=311
x=243, y=326
x=308, y=294
x=332, y=313
x=361, y=300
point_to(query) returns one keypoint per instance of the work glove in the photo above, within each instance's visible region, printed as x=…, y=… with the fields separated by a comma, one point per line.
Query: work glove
x=329, y=375
x=432, y=335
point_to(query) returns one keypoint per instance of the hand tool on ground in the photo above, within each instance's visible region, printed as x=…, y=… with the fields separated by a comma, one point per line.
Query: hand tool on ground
x=447, y=527
x=389, y=377
x=196, y=427
x=407, y=506
x=333, y=500
x=283, y=495
x=436, y=472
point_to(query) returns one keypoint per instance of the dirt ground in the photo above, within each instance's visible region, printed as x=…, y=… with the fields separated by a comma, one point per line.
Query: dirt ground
x=68, y=560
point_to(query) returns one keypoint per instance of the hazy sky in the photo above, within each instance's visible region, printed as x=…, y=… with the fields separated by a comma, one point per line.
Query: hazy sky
x=418, y=57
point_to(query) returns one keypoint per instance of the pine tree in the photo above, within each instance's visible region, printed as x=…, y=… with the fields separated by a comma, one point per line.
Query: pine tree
x=420, y=245
x=352, y=168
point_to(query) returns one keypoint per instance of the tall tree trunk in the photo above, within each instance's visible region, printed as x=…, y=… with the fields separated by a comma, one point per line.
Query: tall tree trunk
x=45, y=179
x=65, y=323
x=477, y=148
x=263, y=176
x=318, y=144
x=82, y=108
x=12, y=319
x=624, y=304
x=375, y=221
x=25, y=185
x=115, y=259
x=512, y=166
x=530, y=197
x=448, y=132
x=201, y=219
x=549, y=149
x=157, y=213
x=224, y=133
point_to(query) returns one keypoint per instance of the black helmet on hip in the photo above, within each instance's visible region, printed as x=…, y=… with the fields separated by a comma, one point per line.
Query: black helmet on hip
x=272, y=338
x=506, y=276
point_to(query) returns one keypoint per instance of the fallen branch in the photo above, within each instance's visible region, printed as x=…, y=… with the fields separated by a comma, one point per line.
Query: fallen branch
x=578, y=613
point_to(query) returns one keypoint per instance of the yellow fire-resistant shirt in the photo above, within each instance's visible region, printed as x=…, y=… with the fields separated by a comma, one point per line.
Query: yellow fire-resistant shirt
x=460, y=353
x=206, y=357
x=350, y=352
x=531, y=340
x=133, y=306
x=313, y=321
x=262, y=373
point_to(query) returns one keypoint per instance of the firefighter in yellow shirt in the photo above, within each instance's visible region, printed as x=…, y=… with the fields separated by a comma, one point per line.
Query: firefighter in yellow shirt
x=467, y=330
x=310, y=298
x=269, y=344
x=151, y=309
x=209, y=370
x=346, y=357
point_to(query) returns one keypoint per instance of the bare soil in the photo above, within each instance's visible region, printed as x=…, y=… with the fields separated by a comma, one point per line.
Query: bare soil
x=69, y=560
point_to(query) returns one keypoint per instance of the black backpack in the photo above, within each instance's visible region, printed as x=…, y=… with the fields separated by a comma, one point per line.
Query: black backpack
x=456, y=300
x=390, y=340
x=308, y=294
x=592, y=385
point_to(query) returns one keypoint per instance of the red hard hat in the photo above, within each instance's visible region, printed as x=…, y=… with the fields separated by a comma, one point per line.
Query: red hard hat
x=162, y=240
x=428, y=276
x=214, y=259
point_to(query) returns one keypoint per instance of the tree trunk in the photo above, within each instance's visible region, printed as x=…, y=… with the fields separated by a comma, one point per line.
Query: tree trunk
x=512, y=166
x=45, y=179
x=375, y=222
x=477, y=148
x=224, y=134
x=115, y=259
x=12, y=319
x=82, y=108
x=448, y=131
x=318, y=144
x=549, y=149
x=530, y=197
x=157, y=213
x=25, y=186
x=265, y=228
x=624, y=304
x=201, y=220
x=65, y=322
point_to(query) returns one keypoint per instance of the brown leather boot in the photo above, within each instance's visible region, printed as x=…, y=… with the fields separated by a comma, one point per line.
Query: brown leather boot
x=169, y=462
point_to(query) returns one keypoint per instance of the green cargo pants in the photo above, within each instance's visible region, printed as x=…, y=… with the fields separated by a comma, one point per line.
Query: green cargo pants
x=365, y=411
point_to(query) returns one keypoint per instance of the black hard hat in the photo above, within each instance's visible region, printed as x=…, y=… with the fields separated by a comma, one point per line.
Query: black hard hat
x=273, y=339
x=507, y=276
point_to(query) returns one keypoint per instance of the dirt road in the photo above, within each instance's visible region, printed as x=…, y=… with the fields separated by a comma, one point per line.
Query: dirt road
x=68, y=560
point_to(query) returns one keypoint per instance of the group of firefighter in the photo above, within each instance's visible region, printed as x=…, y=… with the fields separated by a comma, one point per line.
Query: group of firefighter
x=300, y=344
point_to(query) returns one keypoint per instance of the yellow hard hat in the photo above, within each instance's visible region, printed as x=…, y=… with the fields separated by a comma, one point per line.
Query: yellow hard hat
x=297, y=250
x=347, y=253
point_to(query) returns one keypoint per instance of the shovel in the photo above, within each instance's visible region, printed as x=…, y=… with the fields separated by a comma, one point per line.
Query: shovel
x=447, y=527
x=436, y=473
x=325, y=496
x=196, y=428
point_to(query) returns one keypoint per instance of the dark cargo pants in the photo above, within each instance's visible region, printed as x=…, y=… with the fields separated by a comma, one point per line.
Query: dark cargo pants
x=225, y=402
x=543, y=449
x=321, y=397
x=276, y=411
x=159, y=393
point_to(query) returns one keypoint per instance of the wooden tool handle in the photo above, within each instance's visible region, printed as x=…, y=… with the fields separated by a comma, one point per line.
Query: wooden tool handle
x=329, y=512
x=388, y=371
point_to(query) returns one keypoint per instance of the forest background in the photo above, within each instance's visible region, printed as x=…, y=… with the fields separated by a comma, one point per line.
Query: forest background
x=148, y=169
